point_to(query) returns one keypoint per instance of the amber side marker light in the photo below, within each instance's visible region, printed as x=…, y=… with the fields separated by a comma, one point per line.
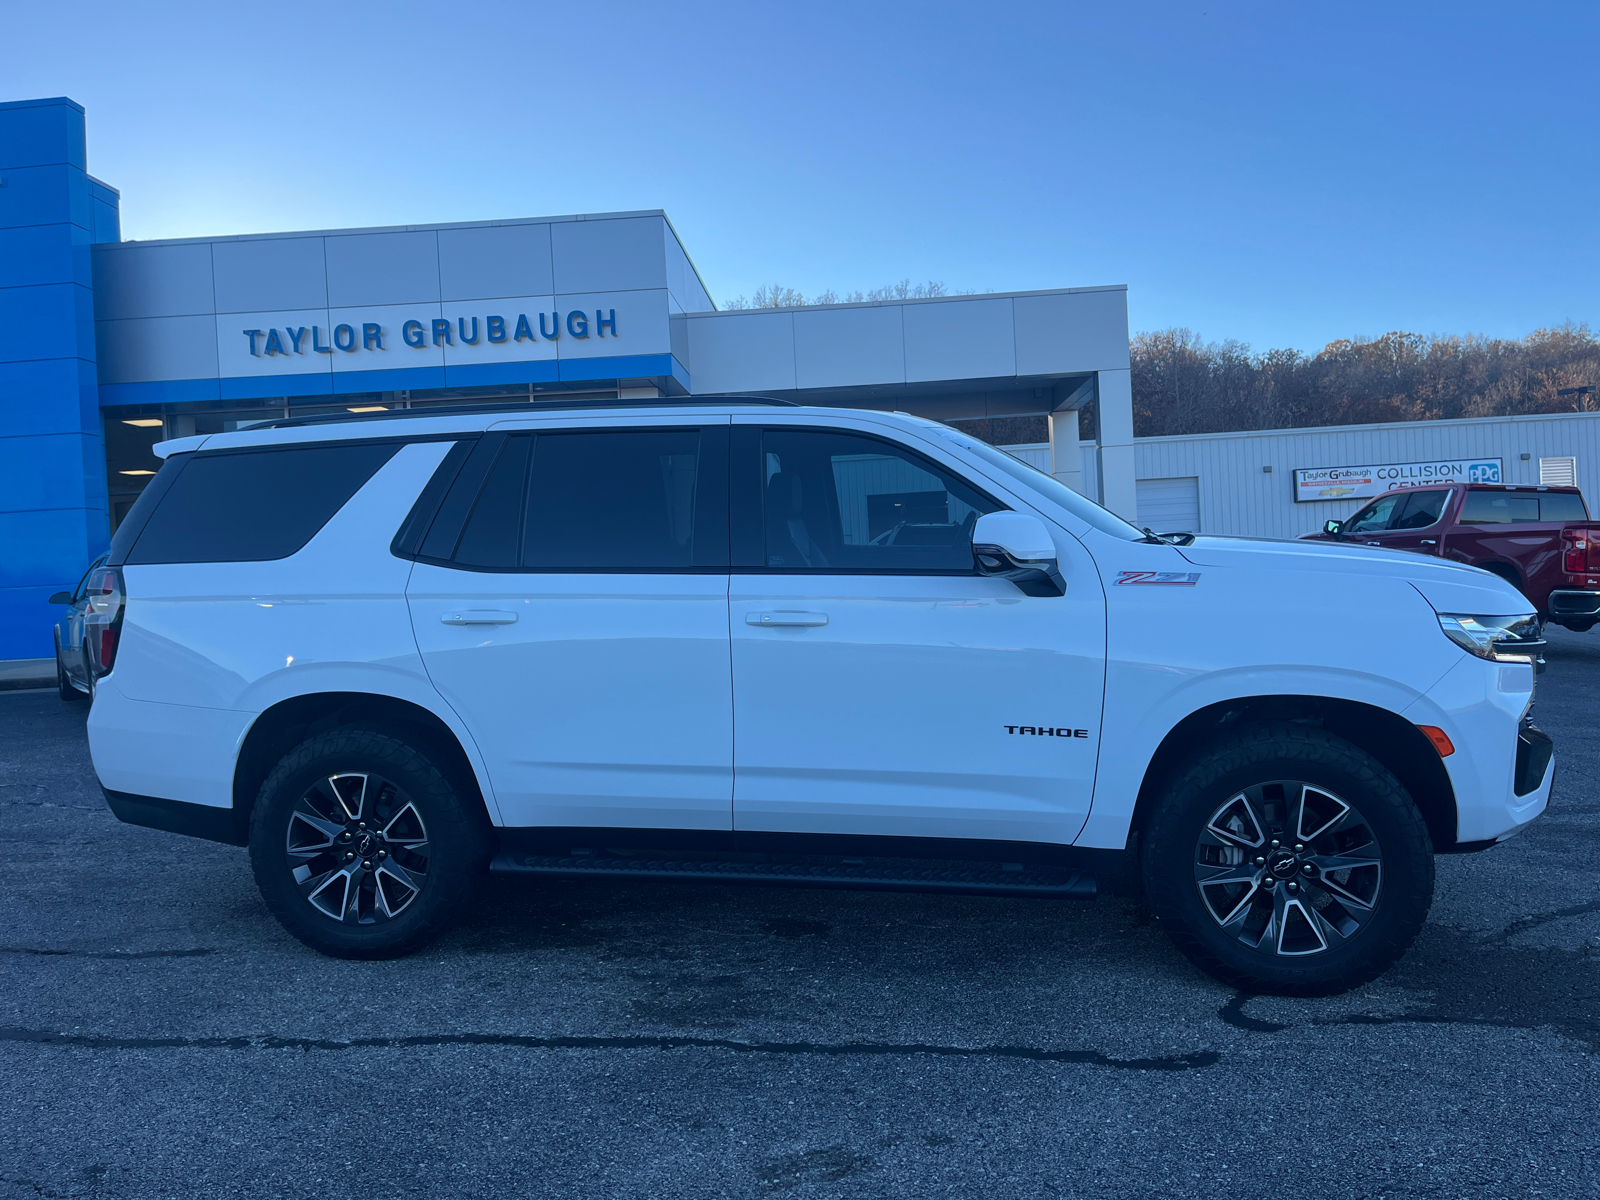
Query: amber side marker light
x=1440, y=739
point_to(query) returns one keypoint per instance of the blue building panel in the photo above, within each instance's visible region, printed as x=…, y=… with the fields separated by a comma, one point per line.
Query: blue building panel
x=55, y=395
x=164, y=391
x=501, y=374
x=630, y=366
x=42, y=133
x=33, y=254
x=50, y=471
x=45, y=196
x=264, y=387
x=346, y=383
x=49, y=320
x=50, y=547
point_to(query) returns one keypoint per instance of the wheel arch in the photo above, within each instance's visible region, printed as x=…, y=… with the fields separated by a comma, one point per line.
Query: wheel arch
x=1395, y=742
x=286, y=724
x=1507, y=571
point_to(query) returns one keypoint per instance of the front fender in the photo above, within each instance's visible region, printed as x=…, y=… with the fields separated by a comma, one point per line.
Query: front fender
x=1144, y=704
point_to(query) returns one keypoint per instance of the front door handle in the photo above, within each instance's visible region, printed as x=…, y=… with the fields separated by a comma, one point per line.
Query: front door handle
x=1374, y=543
x=479, y=616
x=1430, y=542
x=786, y=618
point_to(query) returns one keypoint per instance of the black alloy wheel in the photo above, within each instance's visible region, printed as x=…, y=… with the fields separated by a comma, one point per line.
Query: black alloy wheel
x=1288, y=868
x=1289, y=861
x=362, y=847
x=357, y=848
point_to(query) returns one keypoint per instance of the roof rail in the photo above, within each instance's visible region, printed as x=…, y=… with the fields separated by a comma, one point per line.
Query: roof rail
x=521, y=406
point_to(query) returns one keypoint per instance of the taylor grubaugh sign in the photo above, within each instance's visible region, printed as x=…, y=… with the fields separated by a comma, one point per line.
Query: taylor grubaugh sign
x=1343, y=483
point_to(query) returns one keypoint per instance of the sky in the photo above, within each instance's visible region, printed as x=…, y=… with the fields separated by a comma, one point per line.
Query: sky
x=1283, y=175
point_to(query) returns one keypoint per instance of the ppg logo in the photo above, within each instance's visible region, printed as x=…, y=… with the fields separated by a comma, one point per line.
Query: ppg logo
x=1483, y=472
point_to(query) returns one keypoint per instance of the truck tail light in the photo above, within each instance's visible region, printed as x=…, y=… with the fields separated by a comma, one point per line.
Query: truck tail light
x=103, y=621
x=1575, y=551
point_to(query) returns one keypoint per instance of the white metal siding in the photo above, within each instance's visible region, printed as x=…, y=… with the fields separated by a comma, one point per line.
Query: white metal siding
x=1170, y=505
x=1238, y=497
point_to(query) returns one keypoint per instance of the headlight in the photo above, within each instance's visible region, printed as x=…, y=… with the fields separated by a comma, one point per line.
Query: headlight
x=1506, y=639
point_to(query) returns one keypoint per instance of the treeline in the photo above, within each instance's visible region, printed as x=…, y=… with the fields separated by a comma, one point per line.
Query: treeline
x=1182, y=384
x=779, y=296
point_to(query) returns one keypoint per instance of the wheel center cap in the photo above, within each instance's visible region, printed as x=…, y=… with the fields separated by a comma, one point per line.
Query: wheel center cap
x=1283, y=865
x=365, y=843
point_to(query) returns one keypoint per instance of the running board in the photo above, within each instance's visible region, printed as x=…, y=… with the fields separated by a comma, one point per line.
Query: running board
x=858, y=876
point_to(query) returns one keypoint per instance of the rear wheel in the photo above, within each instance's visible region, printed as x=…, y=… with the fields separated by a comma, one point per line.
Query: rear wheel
x=362, y=847
x=1289, y=861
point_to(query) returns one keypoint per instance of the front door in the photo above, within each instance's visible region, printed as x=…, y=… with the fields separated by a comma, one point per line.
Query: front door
x=1415, y=522
x=881, y=686
x=571, y=606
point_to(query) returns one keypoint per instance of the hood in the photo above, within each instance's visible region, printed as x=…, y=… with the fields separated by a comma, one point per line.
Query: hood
x=1448, y=586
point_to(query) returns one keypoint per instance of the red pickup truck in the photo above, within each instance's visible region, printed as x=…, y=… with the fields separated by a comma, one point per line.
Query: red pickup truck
x=1539, y=538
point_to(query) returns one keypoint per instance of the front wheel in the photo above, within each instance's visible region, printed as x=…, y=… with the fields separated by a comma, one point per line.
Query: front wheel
x=362, y=847
x=1289, y=861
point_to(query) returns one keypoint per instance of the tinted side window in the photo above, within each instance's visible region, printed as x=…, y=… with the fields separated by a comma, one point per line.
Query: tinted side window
x=842, y=502
x=254, y=505
x=623, y=500
x=1374, y=517
x=1498, y=508
x=492, y=537
x=1562, y=506
x=1422, y=509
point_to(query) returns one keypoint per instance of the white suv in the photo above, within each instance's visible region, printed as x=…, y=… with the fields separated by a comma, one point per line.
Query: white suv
x=748, y=641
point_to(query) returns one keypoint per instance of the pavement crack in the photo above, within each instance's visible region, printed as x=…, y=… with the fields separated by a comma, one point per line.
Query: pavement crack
x=1523, y=924
x=109, y=955
x=1232, y=1013
x=43, y=1037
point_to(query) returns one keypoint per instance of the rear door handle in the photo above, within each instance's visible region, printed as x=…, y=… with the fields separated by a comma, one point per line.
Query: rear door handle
x=786, y=618
x=479, y=616
x=1429, y=542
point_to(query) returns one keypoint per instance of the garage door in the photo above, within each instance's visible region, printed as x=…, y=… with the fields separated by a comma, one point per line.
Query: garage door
x=1170, y=505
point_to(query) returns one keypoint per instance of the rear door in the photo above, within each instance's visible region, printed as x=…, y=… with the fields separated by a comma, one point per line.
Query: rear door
x=570, y=602
x=881, y=685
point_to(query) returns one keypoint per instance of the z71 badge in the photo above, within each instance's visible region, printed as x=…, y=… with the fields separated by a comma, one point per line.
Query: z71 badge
x=1161, y=578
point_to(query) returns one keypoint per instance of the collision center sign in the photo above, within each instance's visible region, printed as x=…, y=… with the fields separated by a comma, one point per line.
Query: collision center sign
x=1343, y=483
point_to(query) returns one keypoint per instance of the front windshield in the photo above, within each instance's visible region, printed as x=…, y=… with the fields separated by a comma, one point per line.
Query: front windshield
x=1048, y=486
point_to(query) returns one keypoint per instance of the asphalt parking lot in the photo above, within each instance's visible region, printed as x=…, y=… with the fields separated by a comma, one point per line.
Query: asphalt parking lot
x=161, y=1036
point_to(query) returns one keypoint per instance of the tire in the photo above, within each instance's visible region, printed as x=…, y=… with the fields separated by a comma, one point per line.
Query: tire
x=64, y=688
x=1578, y=624
x=362, y=847
x=1280, y=917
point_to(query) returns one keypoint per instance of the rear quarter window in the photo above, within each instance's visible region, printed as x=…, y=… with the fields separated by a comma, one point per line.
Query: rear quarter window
x=254, y=505
x=1499, y=508
x=1562, y=506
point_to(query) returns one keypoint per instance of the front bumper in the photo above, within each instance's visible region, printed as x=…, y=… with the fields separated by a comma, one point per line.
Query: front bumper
x=1503, y=765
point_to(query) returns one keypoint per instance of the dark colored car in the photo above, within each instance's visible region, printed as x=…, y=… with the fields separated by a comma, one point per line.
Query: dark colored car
x=1540, y=539
x=74, y=680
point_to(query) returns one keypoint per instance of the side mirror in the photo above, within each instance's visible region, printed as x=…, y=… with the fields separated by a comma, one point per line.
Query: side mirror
x=1333, y=528
x=60, y=598
x=1018, y=547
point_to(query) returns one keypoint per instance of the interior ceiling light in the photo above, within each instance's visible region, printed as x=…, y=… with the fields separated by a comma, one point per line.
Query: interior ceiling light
x=135, y=472
x=144, y=422
x=371, y=408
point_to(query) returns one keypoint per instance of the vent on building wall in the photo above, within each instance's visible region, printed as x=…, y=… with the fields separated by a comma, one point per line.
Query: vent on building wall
x=1558, y=472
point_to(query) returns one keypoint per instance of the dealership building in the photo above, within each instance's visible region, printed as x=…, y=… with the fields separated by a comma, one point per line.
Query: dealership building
x=109, y=347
